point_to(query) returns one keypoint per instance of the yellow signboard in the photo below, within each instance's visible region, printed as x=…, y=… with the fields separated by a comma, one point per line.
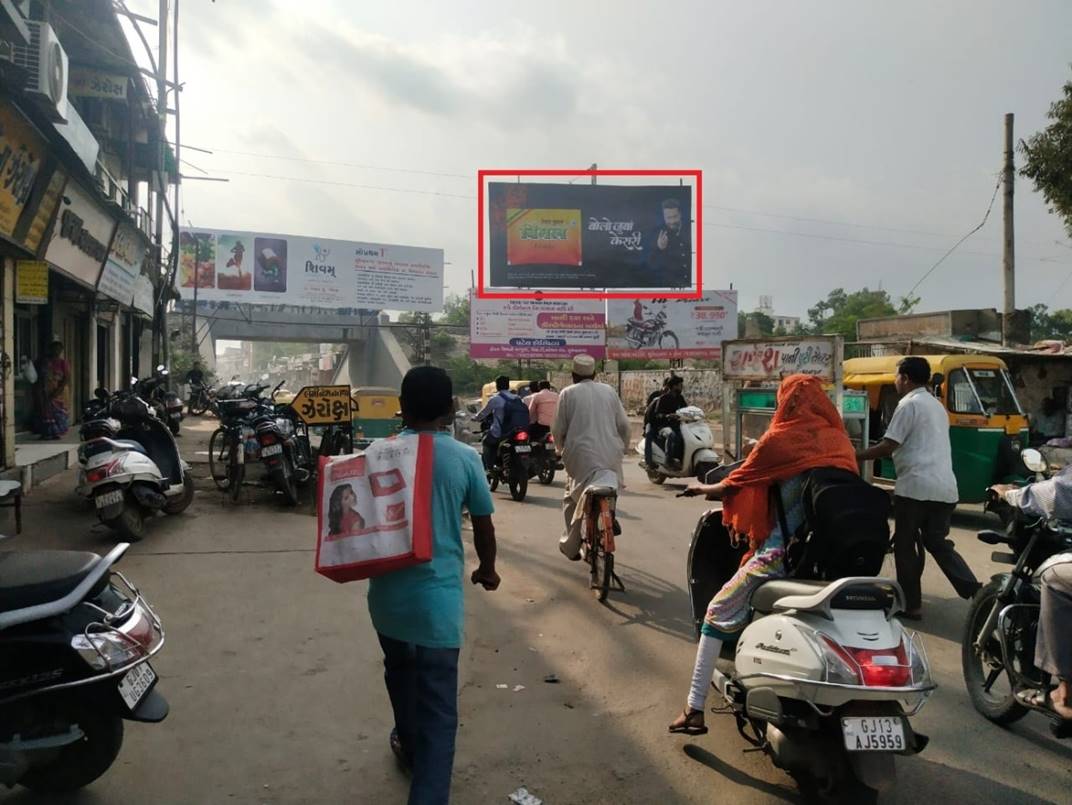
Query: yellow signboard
x=21, y=153
x=31, y=282
x=323, y=405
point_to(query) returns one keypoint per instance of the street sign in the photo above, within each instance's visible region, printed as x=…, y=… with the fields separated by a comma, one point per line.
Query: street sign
x=323, y=405
x=31, y=282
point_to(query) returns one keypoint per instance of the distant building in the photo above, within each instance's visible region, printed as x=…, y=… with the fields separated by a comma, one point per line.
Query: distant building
x=786, y=324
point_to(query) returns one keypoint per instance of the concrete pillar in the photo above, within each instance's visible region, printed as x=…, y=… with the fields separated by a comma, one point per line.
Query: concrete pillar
x=7, y=313
x=91, y=349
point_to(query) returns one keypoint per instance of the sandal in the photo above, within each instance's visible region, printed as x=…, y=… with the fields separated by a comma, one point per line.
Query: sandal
x=690, y=722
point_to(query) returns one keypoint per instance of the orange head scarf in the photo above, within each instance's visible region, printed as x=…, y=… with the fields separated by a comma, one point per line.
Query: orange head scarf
x=806, y=433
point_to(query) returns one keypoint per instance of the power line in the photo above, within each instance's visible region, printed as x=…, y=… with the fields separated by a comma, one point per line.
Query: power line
x=982, y=223
x=332, y=162
x=347, y=184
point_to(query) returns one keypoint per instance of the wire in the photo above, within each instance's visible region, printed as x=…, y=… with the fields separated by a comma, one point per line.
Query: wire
x=347, y=184
x=331, y=162
x=982, y=223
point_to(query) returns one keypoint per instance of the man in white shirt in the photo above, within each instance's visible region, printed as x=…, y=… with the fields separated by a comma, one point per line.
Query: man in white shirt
x=592, y=431
x=926, y=491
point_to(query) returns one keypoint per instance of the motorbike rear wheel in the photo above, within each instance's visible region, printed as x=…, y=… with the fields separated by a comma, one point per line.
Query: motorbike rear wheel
x=285, y=483
x=130, y=524
x=78, y=764
x=547, y=473
x=197, y=405
x=999, y=707
x=517, y=478
x=656, y=477
x=219, y=452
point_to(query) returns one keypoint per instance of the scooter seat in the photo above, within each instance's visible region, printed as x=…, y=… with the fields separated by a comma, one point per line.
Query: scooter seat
x=768, y=594
x=29, y=578
x=137, y=447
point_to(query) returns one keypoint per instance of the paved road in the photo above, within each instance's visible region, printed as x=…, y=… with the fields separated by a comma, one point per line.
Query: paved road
x=274, y=673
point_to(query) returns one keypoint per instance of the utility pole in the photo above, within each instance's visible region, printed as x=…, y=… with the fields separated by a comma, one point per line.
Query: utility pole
x=161, y=164
x=1009, y=256
x=594, y=167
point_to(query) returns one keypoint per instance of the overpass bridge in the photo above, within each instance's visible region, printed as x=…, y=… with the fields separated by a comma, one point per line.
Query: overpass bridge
x=373, y=355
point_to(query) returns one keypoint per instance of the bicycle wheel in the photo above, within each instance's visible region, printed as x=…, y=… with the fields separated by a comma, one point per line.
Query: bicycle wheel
x=219, y=453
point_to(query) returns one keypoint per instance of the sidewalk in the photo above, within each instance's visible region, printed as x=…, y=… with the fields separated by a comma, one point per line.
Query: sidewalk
x=37, y=460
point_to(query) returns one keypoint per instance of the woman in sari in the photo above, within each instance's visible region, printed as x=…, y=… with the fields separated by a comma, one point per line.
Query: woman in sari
x=805, y=433
x=50, y=407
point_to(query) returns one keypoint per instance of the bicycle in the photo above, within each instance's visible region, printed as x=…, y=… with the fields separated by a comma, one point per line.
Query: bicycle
x=600, y=527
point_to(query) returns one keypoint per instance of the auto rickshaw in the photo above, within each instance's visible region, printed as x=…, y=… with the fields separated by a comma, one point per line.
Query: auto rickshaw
x=375, y=412
x=489, y=390
x=987, y=425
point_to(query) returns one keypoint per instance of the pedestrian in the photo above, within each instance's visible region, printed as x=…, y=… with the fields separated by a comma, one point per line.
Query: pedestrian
x=51, y=419
x=926, y=492
x=543, y=404
x=418, y=612
x=592, y=431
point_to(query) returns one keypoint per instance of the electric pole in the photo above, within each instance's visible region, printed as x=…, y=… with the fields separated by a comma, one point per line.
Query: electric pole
x=161, y=187
x=1009, y=255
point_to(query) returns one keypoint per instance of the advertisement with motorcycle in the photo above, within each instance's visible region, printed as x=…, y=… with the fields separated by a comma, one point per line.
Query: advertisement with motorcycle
x=664, y=329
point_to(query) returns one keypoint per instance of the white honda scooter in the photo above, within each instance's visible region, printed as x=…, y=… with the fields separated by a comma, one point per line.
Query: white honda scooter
x=130, y=466
x=698, y=455
x=823, y=679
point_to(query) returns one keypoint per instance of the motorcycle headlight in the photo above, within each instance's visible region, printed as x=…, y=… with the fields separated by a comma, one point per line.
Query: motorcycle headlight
x=104, y=651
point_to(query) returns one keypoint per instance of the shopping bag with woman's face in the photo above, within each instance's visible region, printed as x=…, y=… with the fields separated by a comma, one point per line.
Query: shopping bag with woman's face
x=374, y=509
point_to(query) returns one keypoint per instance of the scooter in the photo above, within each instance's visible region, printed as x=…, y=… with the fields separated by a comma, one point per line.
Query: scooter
x=136, y=472
x=698, y=454
x=823, y=679
x=75, y=642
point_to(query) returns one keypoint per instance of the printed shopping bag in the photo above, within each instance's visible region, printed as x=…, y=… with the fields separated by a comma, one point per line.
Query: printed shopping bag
x=374, y=509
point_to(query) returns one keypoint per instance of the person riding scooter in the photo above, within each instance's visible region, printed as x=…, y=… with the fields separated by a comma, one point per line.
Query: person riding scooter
x=1051, y=498
x=663, y=415
x=506, y=412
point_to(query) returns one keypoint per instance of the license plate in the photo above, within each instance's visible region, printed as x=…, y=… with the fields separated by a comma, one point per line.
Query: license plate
x=136, y=684
x=272, y=450
x=109, y=499
x=522, y=448
x=876, y=734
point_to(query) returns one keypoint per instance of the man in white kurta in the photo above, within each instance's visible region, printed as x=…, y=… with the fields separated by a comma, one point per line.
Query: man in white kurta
x=592, y=431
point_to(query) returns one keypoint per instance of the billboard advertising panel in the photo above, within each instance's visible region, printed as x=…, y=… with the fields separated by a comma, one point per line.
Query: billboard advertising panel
x=589, y=236
x=531, y=328
x=665, y=329
x=263, y=269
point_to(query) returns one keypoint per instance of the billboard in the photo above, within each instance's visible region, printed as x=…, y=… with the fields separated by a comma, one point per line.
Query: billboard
x=264, y=269
x=773, y=359
x=124, y=264
x=589, y=236
x=531, y=328
x=664, y=329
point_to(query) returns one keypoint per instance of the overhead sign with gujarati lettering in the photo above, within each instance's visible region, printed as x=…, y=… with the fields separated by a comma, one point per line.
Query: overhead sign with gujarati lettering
x=21, y=155
x=31, y=282
x=323, y=405
x=80, y=237
x=260, y=269
x=536, y=328
x=671, y=329
x=774, y=359
x=85, y=82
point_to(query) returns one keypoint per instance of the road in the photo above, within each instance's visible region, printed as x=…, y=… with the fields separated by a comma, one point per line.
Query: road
x=275, y=680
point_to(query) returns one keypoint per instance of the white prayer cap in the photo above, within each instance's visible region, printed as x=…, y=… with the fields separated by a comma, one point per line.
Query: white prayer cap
x=584, y=365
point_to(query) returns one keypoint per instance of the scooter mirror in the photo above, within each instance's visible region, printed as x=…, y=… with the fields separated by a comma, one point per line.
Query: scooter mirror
x=1034, y=460
x=160, y=367
x=101, y=394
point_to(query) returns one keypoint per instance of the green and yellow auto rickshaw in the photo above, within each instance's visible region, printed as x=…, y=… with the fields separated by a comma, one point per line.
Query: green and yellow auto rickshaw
x=376, y=412
x=987, y=425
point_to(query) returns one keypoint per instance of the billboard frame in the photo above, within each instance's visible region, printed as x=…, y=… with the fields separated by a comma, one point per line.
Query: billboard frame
x=485, y=293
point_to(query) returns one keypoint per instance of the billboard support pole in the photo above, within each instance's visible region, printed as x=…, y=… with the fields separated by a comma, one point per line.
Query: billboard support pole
x=594, y=167
x=197, y=283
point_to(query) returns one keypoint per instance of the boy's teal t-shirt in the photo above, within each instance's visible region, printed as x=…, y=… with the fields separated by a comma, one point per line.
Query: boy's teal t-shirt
x=423, y=604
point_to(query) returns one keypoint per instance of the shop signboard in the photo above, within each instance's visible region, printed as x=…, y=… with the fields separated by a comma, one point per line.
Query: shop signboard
x=267, y=269
x=85, y=82
x=536, y=328
x=589, y=236
x=143, y=294
x=124, y=264
x=31, y=282
x=323, y=405
x=671, y=329
x=22, y=154
x=80, y=237
x=773, y=359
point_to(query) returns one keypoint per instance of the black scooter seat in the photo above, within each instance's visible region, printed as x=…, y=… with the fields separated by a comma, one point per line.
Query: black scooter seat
x=768, y=594
x=29, y=578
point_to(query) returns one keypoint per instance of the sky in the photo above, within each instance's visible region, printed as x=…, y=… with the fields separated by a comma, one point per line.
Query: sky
x=842, y=144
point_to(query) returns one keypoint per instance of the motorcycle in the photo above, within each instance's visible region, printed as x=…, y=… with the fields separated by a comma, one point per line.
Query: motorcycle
x=166, y=403
x=75, y=642
x=200, y=399
x=650, y=333
x=698, y=454
x=544, y=461
x=284, y=448
x=823, y=679
x=512, y=465
x=132, y=470
x=998, y=649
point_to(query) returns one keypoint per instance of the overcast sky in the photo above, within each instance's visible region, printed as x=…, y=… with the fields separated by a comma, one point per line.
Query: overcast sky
x=884, y=123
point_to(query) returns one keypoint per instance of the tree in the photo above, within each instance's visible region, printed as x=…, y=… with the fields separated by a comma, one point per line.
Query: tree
x=762, y=320
x=1044, y=325
x=455, y=310
x=839, y=312
x=1048, y=158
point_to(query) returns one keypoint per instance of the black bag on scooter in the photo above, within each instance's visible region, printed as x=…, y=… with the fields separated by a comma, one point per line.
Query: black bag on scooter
x=846, y=529
x=713, y=559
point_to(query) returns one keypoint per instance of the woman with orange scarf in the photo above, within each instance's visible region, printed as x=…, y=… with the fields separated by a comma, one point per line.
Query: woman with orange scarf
x=806, y=433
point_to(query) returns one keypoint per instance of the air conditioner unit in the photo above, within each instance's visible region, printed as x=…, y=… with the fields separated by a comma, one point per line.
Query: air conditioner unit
x=45, y=62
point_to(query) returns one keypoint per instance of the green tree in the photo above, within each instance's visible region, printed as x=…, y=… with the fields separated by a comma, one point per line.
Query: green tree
x=1048, y=158
x=1045, y=325
x=765, y=323
x=455, y=310
x=839, y=312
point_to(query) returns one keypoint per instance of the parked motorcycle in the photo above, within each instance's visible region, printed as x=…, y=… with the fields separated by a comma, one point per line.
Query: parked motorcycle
x=133, y=470
x=823, y=679
x=512, y=465
x=166, y=403
x=998, y=649
x=200, y=399
x=698, y=454
x=75, y=642
x=284, y=448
